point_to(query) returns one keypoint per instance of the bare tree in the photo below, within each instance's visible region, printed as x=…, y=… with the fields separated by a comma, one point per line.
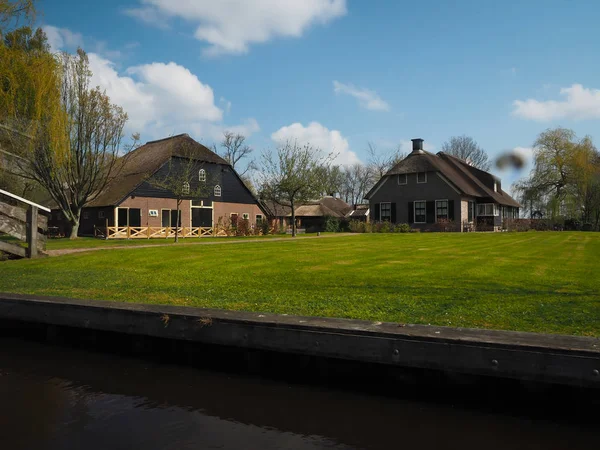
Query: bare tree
x=181, y=181
x=332, y=179
x=234, y=149
x=380, y=162
x=292, y=175
x=358, y=179
x=74, y=153
x=465, y=147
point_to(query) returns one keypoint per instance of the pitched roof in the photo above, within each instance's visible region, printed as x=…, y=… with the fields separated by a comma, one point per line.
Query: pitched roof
x=326, y=206
x=274, y=209
x=358, y=211
x=467, y=179
x=142, y=162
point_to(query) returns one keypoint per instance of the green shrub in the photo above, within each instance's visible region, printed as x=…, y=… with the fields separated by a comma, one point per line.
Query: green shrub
x=264, y=227
x=402, y=228
x=332, y=224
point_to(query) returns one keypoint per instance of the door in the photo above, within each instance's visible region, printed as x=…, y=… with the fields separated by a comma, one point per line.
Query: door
x=201, y=217
x=122, y=217
x=165, y=218
x=135, y=217
x=174, y=221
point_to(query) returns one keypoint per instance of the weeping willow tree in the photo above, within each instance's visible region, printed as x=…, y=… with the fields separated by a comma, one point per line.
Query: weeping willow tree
x=29, y=95
x=66, y=132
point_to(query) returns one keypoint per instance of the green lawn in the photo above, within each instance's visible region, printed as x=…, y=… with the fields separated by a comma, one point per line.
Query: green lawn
x=90, y=242
x=544, y=282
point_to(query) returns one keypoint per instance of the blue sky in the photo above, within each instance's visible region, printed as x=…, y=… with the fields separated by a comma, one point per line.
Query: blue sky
x=341, y=73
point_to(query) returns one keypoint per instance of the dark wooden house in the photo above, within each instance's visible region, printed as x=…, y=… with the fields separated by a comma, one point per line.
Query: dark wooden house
x=439, y=191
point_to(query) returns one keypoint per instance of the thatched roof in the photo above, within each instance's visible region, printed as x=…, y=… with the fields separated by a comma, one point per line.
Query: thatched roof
x=466, y=178
x=135, y=167
x=327, y=206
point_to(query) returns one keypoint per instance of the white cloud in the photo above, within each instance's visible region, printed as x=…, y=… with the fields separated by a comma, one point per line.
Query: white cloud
x=149, y=15
x=160, y=99
x=318, y=137
x=62, y=38
x=231, y=26
x=164, y=99
x=366, y=98
x=579, y=103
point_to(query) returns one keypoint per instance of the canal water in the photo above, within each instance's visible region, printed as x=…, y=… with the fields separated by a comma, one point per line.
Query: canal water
x=63, y=398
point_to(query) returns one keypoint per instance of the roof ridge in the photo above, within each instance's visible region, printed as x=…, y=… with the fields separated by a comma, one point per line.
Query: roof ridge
x=167, y=138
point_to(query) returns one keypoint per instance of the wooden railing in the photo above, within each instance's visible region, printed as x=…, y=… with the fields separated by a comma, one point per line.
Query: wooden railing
x=151, y=232
x=25, y=225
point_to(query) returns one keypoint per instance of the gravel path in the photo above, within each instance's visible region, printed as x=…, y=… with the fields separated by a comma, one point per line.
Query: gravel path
x=68, y=251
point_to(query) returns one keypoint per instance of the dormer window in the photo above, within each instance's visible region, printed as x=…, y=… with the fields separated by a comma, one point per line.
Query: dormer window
x=402, y=179
x=217, y=191
x=186, y=188
x=202, y=175
x=421, y=177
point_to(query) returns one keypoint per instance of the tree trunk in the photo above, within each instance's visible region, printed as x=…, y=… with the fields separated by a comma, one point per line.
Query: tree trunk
x=74, y=229
x=293, y=218
x=177, y=222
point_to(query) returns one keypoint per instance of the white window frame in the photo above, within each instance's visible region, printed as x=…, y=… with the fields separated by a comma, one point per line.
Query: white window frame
x=245, y=216
x=421, y=182
x=381, y=211
x=436, y=208
x=259, y=218
x=217, y=191
x=185, y=188
x=495, y=211
x=415, y=210
x=101, y=215
x=495, y=186
x=153, y=213
x=202, y=175
x=405, y=179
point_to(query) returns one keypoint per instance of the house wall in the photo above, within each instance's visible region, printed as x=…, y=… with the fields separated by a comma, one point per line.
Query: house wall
x=224, y=210
x=434, y=189
x=147, y=203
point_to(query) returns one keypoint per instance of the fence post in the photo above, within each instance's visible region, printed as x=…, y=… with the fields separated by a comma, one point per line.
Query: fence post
x=32, y=233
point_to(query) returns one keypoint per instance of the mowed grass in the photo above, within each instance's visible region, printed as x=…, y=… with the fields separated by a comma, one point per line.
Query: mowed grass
x=90, y=242
x=542, y=282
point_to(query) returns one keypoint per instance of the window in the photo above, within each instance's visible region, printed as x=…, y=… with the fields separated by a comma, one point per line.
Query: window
x=234, y=219
x=471, y=211
x=487, y=209
x=202, y=175
x=421, y=177
x=153, y=212
x=402, y=179
x=217, y=191
x=495, y=187
x=386, y=212
x=246, y=216
x=259, y=218
x=86, y=215
x=420, y=211
x=100, y=214
x=441, y=209
x=186, y=188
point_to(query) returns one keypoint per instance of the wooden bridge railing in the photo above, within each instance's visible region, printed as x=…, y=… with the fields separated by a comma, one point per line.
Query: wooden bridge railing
x=23, y=224
x=150, y=232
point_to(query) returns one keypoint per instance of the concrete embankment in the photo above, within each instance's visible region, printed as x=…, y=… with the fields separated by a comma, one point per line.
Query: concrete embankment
x=567, y=360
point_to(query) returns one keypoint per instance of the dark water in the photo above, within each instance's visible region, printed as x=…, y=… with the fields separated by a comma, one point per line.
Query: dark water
x=59, y=398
